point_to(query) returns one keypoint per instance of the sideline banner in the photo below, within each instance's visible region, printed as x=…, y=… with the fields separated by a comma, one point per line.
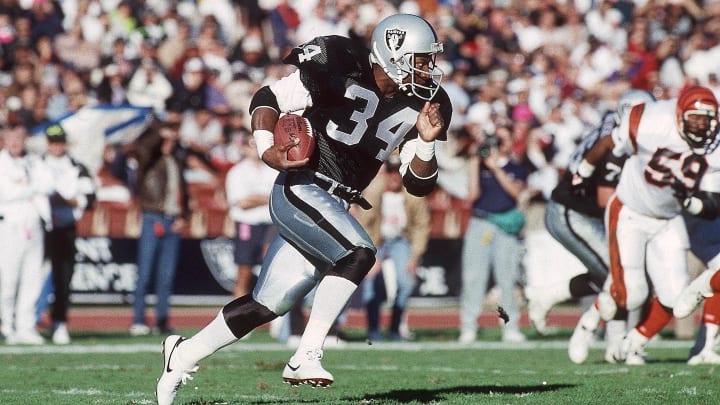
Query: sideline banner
x=106, y=271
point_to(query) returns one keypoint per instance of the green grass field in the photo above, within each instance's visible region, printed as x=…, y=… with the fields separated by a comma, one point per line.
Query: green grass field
x=113, y=369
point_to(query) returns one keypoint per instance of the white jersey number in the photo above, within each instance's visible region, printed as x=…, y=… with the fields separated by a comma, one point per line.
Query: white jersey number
x=391, y=130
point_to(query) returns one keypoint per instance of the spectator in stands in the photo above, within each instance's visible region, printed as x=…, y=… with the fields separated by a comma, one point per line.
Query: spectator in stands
x=149, y=87
x=491, y=241
x=112, y=89
x=163, y=196
x=191, y=87
x=404, y=232
x=247, y=186
x=201, y=130
x=25, y=210
x=73, y=193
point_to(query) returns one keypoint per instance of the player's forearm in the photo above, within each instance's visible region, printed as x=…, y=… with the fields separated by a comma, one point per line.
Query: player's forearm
x=424, y=169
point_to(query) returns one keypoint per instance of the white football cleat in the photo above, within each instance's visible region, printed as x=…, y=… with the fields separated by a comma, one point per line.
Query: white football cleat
x=306, y=369
x=632, y=349
x=706, y=356
x=615, y=331
x=692, y=295
x=579, y=345
x=172, y=375
x=583, y=336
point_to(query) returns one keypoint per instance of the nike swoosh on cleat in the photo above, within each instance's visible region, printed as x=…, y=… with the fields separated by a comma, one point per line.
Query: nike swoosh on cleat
x=167, y=366
x=292, y=368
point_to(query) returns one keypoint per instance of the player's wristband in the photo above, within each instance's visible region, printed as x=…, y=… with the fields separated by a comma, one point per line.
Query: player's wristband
x=264, y=139
x=585, y=169
x=425, y=151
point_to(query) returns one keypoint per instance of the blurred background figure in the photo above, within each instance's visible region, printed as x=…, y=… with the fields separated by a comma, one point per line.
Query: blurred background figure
x=248, y=185
x=162, y=191
x=73, y=192
x=25, y=213
x=492, y=245
x=404, y=234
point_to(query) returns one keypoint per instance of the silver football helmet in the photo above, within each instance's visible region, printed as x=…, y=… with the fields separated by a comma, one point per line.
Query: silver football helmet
x=631, y=98
x=395, y=43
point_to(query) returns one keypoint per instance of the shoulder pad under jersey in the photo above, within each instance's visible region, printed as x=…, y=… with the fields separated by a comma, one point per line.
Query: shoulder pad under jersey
x=327, y=63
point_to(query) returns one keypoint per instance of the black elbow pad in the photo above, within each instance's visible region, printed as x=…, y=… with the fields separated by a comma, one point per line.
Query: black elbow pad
x=264, y=98
x=417, y=186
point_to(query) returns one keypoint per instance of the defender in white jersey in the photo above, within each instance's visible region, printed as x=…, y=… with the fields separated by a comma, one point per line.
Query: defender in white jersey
x=672, y=166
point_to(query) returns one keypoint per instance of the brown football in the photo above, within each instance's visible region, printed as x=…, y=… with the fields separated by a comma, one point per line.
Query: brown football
x=291, y=126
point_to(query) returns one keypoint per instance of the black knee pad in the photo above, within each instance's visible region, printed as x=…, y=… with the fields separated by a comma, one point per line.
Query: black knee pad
x=355, y=266
x=244, y=314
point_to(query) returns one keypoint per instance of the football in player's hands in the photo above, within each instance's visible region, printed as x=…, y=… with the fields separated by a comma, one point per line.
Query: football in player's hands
x=292, y=127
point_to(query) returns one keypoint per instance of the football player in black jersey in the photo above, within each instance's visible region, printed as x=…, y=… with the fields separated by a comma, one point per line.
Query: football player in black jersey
x=362, y=104
x=574, y=217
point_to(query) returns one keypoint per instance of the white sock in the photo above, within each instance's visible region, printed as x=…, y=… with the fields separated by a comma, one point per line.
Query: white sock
x=711, y=332
x=590, y=319
x=615, y=331
x=330, y=298
x=207, y=341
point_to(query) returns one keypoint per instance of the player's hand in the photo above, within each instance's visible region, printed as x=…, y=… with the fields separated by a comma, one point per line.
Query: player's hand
x=680, y=192
x=276, y=157
x=580, y=186
x=430, y=122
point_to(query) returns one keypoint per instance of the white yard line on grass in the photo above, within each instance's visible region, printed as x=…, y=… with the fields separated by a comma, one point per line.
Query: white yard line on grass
x=275, y=347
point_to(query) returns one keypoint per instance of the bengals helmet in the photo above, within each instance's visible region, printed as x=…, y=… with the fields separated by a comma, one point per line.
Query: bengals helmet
x=396, y=41
x=697, y=117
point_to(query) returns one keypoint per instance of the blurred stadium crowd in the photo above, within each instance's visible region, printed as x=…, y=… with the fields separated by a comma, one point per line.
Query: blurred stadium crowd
x=548, y=69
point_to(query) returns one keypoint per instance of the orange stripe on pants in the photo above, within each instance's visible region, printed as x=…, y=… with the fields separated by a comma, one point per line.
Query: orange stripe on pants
x=617, y=288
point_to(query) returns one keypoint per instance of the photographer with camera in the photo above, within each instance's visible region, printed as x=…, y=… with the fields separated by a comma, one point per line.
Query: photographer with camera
x=496, y=180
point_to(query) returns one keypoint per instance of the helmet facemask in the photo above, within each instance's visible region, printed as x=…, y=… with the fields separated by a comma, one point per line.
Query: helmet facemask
x=699, y=129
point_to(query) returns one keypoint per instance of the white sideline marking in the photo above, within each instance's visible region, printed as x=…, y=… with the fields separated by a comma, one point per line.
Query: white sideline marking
x=278, y=347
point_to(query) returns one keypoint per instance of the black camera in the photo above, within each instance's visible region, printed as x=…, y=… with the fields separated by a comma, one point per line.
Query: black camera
x=490, y=142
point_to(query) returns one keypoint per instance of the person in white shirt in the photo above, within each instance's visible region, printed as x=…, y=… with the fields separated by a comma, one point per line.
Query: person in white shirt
x=247, y=186
x=25, y=211
x=73, y=193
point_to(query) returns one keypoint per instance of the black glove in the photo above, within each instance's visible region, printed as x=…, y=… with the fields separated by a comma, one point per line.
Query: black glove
x=680, y=192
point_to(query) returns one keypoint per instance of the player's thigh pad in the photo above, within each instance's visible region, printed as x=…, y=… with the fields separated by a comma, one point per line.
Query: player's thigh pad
x=285, y=278
x=314, y=220
x=634, y=232
x=667, y=261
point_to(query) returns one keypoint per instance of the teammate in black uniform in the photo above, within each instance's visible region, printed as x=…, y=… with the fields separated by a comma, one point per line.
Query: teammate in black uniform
x=362, y=105
x=574, y=217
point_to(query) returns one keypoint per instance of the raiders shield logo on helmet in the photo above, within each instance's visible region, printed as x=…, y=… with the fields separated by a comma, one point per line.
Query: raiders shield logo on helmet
x=394, y=39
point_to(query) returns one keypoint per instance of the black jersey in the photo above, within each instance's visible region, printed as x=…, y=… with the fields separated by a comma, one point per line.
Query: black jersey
x=607, y=172
x=356, y=129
